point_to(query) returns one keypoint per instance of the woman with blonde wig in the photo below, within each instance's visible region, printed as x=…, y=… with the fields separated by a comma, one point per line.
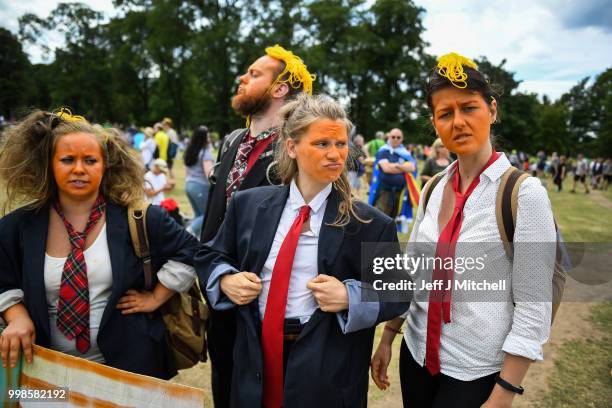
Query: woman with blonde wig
x=288, y=258
x=70, y=279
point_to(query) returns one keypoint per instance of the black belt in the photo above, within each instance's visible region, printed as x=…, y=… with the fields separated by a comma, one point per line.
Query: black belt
x=292, y=329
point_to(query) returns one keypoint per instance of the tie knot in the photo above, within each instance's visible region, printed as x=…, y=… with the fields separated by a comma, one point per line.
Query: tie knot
x=77, y=239
x=304, y=211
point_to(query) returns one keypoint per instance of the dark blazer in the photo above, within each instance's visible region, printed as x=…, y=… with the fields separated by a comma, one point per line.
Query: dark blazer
x=133, y=342
x=326, y=368
x=216, y=205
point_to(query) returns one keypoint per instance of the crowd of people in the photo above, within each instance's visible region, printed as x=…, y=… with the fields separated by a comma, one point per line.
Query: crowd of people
x=281, y=221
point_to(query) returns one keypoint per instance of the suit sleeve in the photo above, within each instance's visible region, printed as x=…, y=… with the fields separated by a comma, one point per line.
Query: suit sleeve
x=172, y=250
x=10, y=270
x=219, y=257
x=366, y=309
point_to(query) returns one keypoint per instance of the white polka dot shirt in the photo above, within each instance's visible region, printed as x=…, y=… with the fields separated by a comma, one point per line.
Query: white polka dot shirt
x=479, y=334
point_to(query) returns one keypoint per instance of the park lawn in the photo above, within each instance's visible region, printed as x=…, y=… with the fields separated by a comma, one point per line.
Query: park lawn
x=581, y=377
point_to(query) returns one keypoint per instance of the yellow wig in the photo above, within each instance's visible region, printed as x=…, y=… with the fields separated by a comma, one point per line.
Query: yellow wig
x=295, y=68
x=451, y=65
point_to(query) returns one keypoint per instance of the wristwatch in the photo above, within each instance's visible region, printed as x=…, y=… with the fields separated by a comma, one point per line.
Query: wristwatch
x=506, y=385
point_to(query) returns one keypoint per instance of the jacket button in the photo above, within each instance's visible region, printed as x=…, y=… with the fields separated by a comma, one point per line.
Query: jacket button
x=258, y=375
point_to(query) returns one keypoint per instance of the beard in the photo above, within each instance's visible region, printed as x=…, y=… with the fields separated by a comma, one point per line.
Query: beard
x=247, y=105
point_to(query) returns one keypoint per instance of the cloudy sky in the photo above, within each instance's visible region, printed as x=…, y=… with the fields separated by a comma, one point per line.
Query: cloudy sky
x=549, y=44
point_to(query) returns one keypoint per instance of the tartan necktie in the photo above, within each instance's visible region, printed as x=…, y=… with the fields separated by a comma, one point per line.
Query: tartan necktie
x=240, y=164
x=73, y=303
x=440, y=298
x=274, y=317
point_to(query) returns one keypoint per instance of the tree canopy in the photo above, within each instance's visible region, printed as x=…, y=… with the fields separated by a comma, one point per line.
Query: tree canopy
x=181, y=58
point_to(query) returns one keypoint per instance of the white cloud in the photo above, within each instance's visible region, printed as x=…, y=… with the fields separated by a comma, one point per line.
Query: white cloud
x=11, y=10
x=542, y=46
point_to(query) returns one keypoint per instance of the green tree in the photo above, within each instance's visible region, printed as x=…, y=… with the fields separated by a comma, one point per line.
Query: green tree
x=601, y=104
x=15, y=70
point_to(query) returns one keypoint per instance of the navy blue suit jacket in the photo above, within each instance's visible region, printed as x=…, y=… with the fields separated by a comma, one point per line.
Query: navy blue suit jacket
x=326, y=367
x=133, y=342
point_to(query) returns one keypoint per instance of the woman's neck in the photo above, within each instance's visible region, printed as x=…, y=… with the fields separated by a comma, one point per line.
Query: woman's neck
x=470, y=165
x=308, y=188
x=76, y=207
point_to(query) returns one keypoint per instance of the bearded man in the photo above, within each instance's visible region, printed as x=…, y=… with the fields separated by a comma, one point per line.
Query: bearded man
x=245, y=161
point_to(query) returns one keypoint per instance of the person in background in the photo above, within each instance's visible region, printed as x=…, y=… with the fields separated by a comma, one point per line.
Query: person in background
x=439, y=159
x=173, y=144
x=393, y=161
x=156, y=182
x=559, y=172
x=198, y=164
x=138, y=138
x=356, y=166
x=147, y=147
x=374, y=145
x=581, y=172
x=162, y=141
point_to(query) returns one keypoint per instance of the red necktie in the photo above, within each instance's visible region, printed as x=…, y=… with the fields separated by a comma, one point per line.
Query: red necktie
x=440, y=297
x=274, y=317
x=73, y=303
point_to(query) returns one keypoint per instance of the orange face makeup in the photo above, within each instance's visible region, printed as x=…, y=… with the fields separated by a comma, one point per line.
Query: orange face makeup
x=462, y=119
x=322, y=150
x=78, y=165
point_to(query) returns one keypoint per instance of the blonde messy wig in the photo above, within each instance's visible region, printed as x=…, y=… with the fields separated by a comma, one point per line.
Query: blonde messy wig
x=26, y=153
x=296, y=116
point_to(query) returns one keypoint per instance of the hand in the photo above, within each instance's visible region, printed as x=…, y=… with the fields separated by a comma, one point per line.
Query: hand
x=241, y=288
x=19, y=333
x=138, y=302
x=499, y=398
x=330, y=293
x=380, y=363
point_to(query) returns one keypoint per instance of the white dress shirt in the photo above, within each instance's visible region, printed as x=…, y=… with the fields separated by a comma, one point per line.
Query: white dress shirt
x=473, y=343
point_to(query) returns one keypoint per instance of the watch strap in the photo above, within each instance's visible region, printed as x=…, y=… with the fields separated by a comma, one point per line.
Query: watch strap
x=506, y=385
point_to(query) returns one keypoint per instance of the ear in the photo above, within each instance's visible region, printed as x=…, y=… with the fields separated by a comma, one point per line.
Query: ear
x=280, y=90
x=433, y=124
x=493, y=110
x=290, y=145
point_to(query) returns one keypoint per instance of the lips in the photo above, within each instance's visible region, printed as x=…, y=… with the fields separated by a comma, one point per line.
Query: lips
x=78, y=183
x=461, y=136
x=333, y=166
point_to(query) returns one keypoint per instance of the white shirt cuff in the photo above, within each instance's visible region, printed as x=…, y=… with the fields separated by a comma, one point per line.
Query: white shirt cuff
x=176, y=276
x=9, y=298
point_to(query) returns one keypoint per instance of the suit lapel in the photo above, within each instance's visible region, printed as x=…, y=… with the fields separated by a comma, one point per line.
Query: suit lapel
x=330, y=241
x=34, y=247
x=267, y=218
x=330, y=238
x=116, y=236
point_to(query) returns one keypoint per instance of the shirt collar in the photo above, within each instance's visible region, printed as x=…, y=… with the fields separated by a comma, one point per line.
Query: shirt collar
x=493, y=172
x=497, y=168
x=296, y=201
x=262, y=135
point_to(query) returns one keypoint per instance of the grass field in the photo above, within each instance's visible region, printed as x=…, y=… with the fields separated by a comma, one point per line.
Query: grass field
x=581, y=373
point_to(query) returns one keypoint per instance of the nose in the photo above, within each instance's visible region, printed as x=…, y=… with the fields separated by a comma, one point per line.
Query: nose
x=78, y=167
x=333, y=153
x=458, y=120
x=243, y=78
